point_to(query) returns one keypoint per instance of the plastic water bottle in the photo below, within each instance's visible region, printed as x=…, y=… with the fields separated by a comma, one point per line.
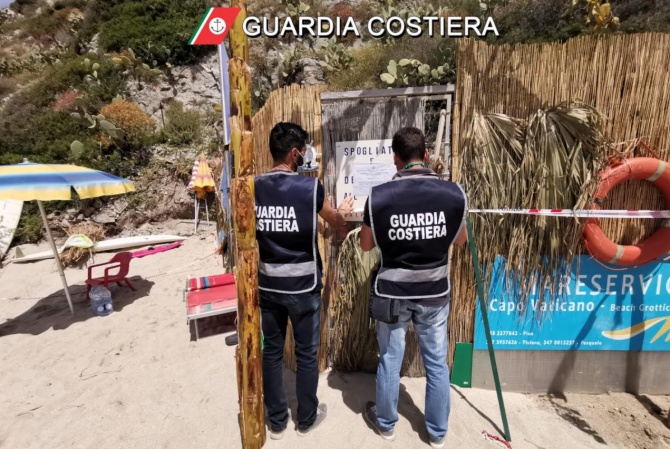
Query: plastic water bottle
x=101, y=301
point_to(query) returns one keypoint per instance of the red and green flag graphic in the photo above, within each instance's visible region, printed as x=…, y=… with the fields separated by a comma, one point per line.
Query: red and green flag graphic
x=214, y=26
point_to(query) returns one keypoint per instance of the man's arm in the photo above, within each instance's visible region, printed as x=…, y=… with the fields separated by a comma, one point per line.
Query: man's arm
x=367, y=241
x=462, y=236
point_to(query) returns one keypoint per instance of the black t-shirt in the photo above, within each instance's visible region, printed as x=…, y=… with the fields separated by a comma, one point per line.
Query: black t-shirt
x=366, y=214
x=320, y=197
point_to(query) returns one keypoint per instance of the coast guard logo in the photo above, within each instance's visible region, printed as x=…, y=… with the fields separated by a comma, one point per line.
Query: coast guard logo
x=214, y=26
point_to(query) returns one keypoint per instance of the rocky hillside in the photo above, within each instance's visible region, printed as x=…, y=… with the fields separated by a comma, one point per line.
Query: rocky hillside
x=114, y=85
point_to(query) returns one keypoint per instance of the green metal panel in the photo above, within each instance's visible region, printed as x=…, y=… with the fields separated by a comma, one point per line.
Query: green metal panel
x=461, y=375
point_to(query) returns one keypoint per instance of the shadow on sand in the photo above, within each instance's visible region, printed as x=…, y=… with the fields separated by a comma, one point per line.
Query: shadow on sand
x=52, y=312
x=213, y=325
x=359, y=388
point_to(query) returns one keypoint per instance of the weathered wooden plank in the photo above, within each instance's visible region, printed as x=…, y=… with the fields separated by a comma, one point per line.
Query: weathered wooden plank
x=388, y=93
x=249, y=354
x=244, y=216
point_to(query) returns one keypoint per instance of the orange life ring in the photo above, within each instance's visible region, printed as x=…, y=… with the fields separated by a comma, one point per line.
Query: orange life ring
x=657, y=245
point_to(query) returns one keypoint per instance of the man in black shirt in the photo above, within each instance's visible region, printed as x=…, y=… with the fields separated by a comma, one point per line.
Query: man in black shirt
x=289, y=275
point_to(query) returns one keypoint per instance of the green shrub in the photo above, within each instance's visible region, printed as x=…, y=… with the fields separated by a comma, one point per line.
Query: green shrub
x=44, y=24
x=638, y=16
x=47, y=138
x=29, y=229
x=150, y=27
x=96, y=13
x=533, y=21
x=72, y=73
x=64, y=4
x=370, y=61
x=182, y=126
x=29, y=127
x=7, y=86
x=42, y=137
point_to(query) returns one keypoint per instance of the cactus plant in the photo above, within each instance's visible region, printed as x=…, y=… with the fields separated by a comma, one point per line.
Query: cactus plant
x=135, y=66
x=91, y=69
x=77, y=149
x=412, y=72
x=295, y=7
x=98, y=120
x=335, y=55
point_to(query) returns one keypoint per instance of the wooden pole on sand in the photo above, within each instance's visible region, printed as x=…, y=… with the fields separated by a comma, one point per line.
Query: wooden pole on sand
x=248, y=353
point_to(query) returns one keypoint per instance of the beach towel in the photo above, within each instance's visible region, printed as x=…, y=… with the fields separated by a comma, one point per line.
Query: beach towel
x=156, y=250
x=208, y=282
x=77, y=241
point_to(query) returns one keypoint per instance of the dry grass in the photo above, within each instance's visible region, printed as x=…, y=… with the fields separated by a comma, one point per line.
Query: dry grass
x=547, y=163
x=354, y=344
x=77, y=257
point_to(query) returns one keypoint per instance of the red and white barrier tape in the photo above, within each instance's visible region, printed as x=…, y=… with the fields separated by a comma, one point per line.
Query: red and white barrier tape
x=579, y=213
x=502, y=442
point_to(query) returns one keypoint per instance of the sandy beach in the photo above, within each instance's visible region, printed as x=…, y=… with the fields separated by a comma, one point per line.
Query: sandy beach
x=135, y=379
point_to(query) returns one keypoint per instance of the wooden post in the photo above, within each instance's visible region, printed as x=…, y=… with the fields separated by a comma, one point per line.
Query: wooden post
x=248, y=354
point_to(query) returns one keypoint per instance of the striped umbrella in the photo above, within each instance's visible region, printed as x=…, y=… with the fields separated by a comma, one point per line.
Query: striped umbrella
x=202, y=182
x=201, y=178
x=50, y=182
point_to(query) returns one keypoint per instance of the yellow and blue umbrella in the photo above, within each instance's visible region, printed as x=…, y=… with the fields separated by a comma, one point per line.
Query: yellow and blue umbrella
x=51, y=182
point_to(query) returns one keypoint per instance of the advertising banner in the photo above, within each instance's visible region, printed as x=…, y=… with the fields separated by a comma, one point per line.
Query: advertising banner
x=596, y=309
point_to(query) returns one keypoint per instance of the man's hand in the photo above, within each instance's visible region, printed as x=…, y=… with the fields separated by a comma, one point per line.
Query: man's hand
x=346, y=207
x=336, y=218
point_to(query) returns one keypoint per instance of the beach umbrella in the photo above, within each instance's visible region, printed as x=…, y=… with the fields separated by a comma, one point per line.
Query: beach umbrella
x=52, y=182
x=201, y=183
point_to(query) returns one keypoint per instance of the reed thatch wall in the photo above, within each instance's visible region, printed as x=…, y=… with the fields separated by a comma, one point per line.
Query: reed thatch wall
x=626, y=77
x=351, y=120
x=303, y=107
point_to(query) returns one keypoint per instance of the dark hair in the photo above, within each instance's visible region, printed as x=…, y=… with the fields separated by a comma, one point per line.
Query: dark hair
x=409, y=144
x=285, y=136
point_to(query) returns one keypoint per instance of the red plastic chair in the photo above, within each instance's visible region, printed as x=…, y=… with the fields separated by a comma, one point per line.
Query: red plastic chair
x=120, y=261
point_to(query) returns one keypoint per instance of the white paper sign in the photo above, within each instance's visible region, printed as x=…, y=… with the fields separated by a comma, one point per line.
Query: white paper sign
x=369, y=175
x=352, y=153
